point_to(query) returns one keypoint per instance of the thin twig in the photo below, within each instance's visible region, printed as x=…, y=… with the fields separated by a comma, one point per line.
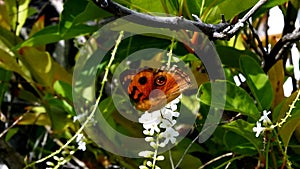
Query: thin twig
x=266, y=31
x=222, y=30
x=279, y=47
x=11, y=126
x=260, y=45
x=216, y=159
x=241, y=22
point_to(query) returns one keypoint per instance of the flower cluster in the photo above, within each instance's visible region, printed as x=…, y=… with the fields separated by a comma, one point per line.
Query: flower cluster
x=266, y=122
x=80, y=139
x=159, y=131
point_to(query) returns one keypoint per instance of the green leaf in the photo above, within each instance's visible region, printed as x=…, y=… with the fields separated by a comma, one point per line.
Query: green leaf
x=148, y=6
x=69, y=14
x=230, y=56
x=91, y=12
x=64, y=89
x=59, y=112
x=258, y=82
x=237, y=99
x=42, y=67
x=5, y=76
x=11, y=132
x=8, y=62
x=74, y=13
x=191, y=7
x=268, y=5
x=289, y=126
x=189, y=161
x=36, y=116
x=50, y=34
x=244, y=129
x=239, y=144
x=71, y=11
x=62, y=105
x=8, y=39
x=17, y=16
x=28, y=96
x=287, y=130
x=230, y=8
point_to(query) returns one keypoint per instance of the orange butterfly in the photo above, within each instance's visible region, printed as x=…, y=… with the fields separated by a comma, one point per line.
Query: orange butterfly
x=150, y=89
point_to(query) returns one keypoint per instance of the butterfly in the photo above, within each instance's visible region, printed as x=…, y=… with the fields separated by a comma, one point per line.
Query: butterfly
x=151, y=89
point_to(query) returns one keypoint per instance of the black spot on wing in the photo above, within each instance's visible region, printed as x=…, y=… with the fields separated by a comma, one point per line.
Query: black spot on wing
x=132, y=95
x=143, y=80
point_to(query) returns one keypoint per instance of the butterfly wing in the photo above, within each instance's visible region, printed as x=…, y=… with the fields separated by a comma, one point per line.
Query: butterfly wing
x=150, y=89
x=176, y=82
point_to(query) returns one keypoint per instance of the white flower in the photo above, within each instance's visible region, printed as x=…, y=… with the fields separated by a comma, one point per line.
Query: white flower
x=258, y=129
x=79, y=137
x=149, y=139
x=146, y=154
x=82, y=145
x=80, y=141
x=160, y=158
x=167, y=123
x=154, y=145
x=168, y=114
x=265, y=119
x=150, y=122
x=149, y=163
x=143, y=167
x=173, y=104
x=170, y=135
x=150, y=117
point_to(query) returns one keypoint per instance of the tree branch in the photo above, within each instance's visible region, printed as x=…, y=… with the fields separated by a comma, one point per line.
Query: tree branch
x=280, y=46
x=10, y=156
x=213, y=31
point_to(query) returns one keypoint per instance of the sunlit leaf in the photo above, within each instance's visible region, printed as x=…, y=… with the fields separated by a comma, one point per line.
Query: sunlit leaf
x=50, y=34
x=8, y=62
x=4, y=18
x=17, y=16
x=258, y=82
x=64, y=89
x=44, y=69
x=38, y=25
x=148, y=6
x=35, y=116
x=230, y=8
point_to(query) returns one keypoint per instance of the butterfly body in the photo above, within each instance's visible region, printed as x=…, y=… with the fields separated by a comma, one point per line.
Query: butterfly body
x=150, y=89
